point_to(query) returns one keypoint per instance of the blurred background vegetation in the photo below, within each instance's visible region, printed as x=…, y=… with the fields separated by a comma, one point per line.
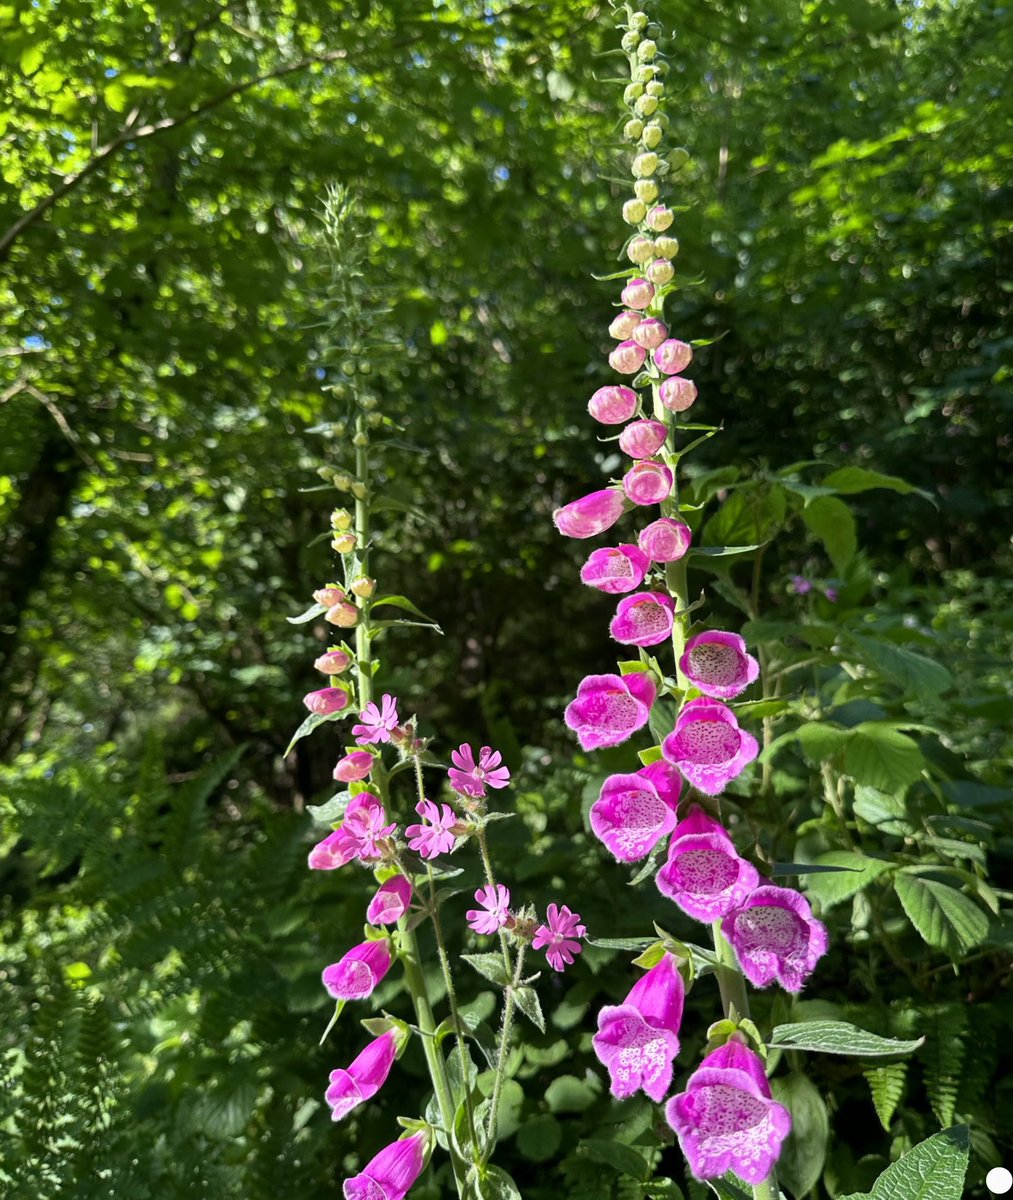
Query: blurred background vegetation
x=161, y=367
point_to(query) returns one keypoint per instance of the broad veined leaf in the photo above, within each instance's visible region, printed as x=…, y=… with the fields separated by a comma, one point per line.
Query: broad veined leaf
x=933, y=1170
x=944, y=917
x=839, y=1037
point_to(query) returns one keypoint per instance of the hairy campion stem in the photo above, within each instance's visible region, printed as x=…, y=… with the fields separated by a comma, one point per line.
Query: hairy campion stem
x=509, y=1004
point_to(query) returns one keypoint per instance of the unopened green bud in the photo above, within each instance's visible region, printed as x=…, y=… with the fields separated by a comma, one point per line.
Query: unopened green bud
x=646, y=50
x=341, y=518
x=645, y=73
x=359, y=490
x=343, y=481
x=638, y=20
x=644, y=165
x=678, y=157
x=633, y=129
x=365, y=367
x=374, y=420
x=654, y=88
x=348, y=367
x=646, y=190
x=640, y=250
x=368, y=403
x=645, y=105
x=630, y=41
x=662, y=69
x=651, y=135
x=633, y=90
x=325, y=473
x=339, y=429
x=634, y=212
x=653, y=30
x=667, y=247
x=361, y=439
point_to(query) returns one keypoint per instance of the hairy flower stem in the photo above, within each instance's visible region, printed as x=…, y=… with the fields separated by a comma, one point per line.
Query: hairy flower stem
x=509, y=1004
x=676, y=579
x=490, y=879
x=363, y=653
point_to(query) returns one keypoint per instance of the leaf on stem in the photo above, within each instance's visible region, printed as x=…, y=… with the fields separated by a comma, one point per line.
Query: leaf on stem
x=526, y=999
x=313, y=611
x=490, y=966
x=839, y=1037
x=933, y=1170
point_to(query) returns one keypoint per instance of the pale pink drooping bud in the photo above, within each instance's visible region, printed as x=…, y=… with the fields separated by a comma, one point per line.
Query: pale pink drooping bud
x=634, y=211
x=344, y=543
x=638, y=293
x=673, y=356
x=659, y=218
x=667, y=247
x=354, y=766
x=677, y=394
x=333, y=662
x=640, y=250
x=326, y=701
x=660, y=271
x=650, y=333
x=627, y=358
x=624, y=323
x=643, y=438
x=345, y=615
x=330, y=595
x=665, y=540
x=613, y=405
x=648, y=482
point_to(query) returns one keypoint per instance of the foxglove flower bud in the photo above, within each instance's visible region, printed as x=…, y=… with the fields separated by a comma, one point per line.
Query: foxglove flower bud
x=392, y=1173
x=391, y=901
x=678, y=158
x=677, y=394
x=638, y=293
x=333, y=662
x=655, y=88
x=364, y=587
x=646, y=51
x=673, y=356
x=326, y=701
x=643, y=438
x=665, y=540
x=609, y=708
x=660, y=218
x=630, y=41
x=627, y=358
x=591, y=514
x=633, y=129
x=634, y=212
x=344, y=543
x=643, y=620
x=613, y=405
x=341, y=518
x=624, y=323
x=667, y=247
x=660, y=271
x=354, y=766
x=638, y=21
x=329, y=595
x=646, y=105
x=649, y=332
x=645, y=165
x=357, y=974
x=364, y=1077
x=615, y=569
x=648, y=482
x=646, y=190
x=344, y=615
x=640, y=250
x=633, y=92
x=652, y=135
x=708, y=746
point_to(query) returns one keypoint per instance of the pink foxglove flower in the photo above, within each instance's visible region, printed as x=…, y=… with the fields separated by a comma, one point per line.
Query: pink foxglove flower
x=609, y=708
x=704, y=875
x=377, y=723
x=471, y=778
x=591, y=514
x=717, y=663
x=677, y=394
x=650, y=332
x=627, y=358
x=638, y=293
x=648, y=482
x=333, y=662
x=344, y=614
x=613, y=405
x=673, y=356
x=624, y=323
x=665, y=540
x=775, y=936
x=559, y=932
x=391, y=1174
x=356, y=975
x=354, y=766
x=708, y=746
x=333, y=852
x=637, y=1041
x=364, y=1077
x=390, y=903
x=435, y=836
x=632, y=814
x=726, y=1119
x=615, y=569
x=495, y=911
x=644, y=619
x=331, y=595
x=362, y=829
x=659, y=218
x=326, y=701
x=643, y=438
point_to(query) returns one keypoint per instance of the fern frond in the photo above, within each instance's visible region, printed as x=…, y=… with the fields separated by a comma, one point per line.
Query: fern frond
x=943, y=1056
x=887, y=1086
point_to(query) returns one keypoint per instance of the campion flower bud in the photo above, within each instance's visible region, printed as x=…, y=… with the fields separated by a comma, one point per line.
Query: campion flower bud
x=392, y=1173
x=643, y=438
x=354, y=766
x=673, y=356
x=633, y=92
x=646, y=190
x=665, y=540
x=654, y=88
x=341, y=518
x=591, y=514
x=646, y=51
x=634, y=212
x=365, y=1076
x=344, y=615
x=633, y=128
x=610, y=708
x=646, y=105
x=613, y=405
x=624, y=323
x=648, y=482
x=703, y=874
x=660, y=218
x=333, y=662
x=329, y=595
x=630, y=41
x=667, y=247
x=631, y=815
x=364, y=587
x=627, y=358
x=726, y=1119
x=645, y=164
x=708, y=746
x=344, y=543
x=638, y=293
x=615, y=569
x=326, y=701
x=660, y=271
x=717, y=663
x=652, y=135
x=391, y=901
x=677, y=394
x=643, y=620
x=649, y=332
x=640, y=250
x=775, y=936
x=357, y=974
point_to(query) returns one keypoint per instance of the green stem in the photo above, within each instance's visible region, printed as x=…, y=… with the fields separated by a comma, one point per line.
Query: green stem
x=363, y=652
x=731, y=984
x=676, y=579
x=490, y=879
x=504, y=1047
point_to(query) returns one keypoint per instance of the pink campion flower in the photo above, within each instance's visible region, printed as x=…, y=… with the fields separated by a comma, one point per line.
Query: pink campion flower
x=677, y=394
x=363, y=827
x=624, y=323
x=354, y=766
x=495, y=911
x=613, y=405
x=559, y=932
x=609, y=708
x=665, y=540
x=357, y=974
x=591, y=514
x=726, y=1119
x=648, y=482
x=638, y=293
x=631, y=816
x=391, y=1174
x=333, y=662
x=637, y=1041
x=649, y=332
x=366, y=1074
x=775, y=936
x=615, y=569
x=330, y=595
x=471, y=778
x=800, y=585
x=644, y=619
x=708, y=746
x=326, y=701
x=717, y=663
x=377, y=723
x=643, y=438
x=704, y=876
x=673, y=356
x=391, y=901
x=627, y=358
x=435, y=836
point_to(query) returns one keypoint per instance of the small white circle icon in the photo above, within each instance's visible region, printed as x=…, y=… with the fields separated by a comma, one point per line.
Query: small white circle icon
x=999, y=1181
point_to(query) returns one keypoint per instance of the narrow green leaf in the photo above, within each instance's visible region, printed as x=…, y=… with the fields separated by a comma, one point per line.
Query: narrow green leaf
x=401, y=602
x=313, y=611
x=849, y=480
x=331, y=810
x=311, y=722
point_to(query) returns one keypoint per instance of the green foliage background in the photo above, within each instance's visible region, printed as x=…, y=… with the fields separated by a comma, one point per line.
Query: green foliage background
x=160, y=370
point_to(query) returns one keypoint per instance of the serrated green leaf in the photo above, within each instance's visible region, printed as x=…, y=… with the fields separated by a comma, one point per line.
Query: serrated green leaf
x=838, y=1037
x=311, y=722
x=331, y=810
x=841, y=884
x=914, y=672
x=933, y=1170
x=944, y=917
x=882, y=757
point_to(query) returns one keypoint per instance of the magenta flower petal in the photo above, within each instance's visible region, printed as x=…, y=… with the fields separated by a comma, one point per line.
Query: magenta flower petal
x=357, y=974
x=717, y=663
x=377, y=724
x=644, y=619
x=638, y=293
x=391, y=1173
x=697, y=821
x=627, y=358
x=648, y=482
x=665, y=540
x=470, y=778
x=495, y=910
x=613, y=405
x=705, y=877
x=775, y=936
x=708, y=746
x=559, y=933
x=609, y=708
x=591, y=514
x=643, y=438
x=435, y=836
x=673, y=356
x=615, y=569
x=659, y=994
x=666, y=780
x=649, y=332
x=333, y=852
x=354, y=766
x=326, y=701
x=365, y=1076
x=391, y=901
x=630, y=817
